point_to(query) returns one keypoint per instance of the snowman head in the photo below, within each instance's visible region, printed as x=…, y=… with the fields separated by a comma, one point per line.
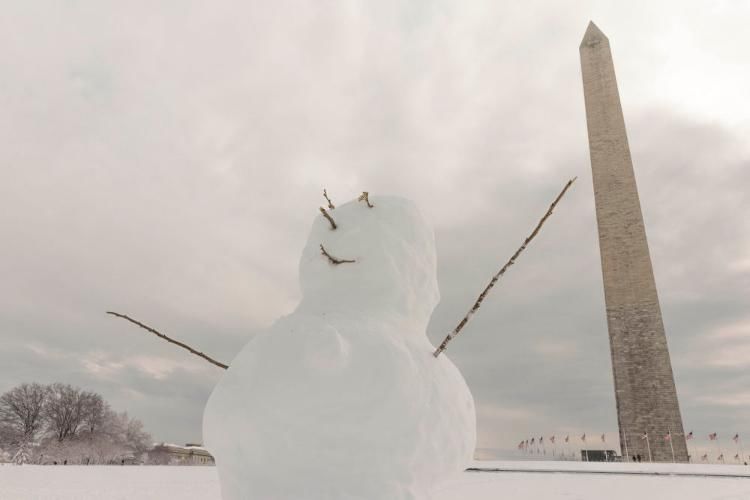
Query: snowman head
x=394, y=269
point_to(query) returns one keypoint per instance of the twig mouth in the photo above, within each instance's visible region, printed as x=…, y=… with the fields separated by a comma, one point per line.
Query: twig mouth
x=334, y=260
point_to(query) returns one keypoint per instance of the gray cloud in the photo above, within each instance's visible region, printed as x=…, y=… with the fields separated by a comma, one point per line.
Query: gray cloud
x=167, y=161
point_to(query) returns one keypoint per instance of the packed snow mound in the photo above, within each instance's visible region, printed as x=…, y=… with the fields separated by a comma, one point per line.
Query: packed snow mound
x=343, y=399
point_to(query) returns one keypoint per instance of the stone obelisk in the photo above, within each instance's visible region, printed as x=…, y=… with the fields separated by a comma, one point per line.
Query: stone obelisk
x=644, y=384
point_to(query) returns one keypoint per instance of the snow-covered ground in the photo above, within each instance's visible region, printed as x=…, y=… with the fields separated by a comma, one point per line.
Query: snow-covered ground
x=519, y=480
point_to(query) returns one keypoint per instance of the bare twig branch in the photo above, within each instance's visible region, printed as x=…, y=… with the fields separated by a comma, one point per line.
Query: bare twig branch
x=334, y=260
x=365, y=196
x=328, y=216
x=501, y=272
x=331, y=206
x=158, y=334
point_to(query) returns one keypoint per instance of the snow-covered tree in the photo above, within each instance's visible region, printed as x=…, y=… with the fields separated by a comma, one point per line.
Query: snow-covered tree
x=116, y=436
x=22, y=455
x=59, y=423
x=137, y=439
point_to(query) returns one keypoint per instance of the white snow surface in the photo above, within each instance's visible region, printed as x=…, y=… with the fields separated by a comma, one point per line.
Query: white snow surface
x=33, y=482
x=342, y=398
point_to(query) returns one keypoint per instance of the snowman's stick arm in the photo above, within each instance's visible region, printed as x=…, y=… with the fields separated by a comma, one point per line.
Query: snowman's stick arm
x=501, y=272
x=173, y=341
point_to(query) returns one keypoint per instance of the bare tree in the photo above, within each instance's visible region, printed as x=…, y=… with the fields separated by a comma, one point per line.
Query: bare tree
x=21, y=411
x=64, y=411
x=113, y=437
x=94, y=411
x=64, y=424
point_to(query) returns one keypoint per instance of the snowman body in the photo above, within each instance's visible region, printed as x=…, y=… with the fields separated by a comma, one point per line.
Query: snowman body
x=343, y=399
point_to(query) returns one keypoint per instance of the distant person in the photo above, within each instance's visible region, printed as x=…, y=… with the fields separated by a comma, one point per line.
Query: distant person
x=634, y=459
x=639, y=457
x=65, y=462
x=123, y=462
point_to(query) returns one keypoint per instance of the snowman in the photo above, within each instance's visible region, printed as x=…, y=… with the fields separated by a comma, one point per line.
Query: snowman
x=343, y=398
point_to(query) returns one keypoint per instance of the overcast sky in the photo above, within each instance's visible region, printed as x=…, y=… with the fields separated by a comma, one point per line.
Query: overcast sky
x=165, y=160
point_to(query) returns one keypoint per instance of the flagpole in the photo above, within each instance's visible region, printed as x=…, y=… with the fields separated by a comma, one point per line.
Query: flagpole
x=718, y=445
x=648, y=446
x=742, y=454
x=585, y=451
x=671, y=446
x=625, y=437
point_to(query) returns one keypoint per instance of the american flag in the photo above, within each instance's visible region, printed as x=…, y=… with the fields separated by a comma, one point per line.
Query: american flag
x=604, y=438
x=713, y=436
x=521, y=445
x=583, y=438
x=689, y=436
x=705, y=457
x=532, y=441
x=567, y=438
x=736, y=438
x=668, y=437
x=737, y=457
x=721, y=457
x=552, y=439
x=645, y=435
x=541, y=440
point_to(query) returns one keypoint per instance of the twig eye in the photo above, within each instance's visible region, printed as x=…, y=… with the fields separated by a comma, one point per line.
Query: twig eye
x=331, y=206
x=365, y=196
x=328, y=216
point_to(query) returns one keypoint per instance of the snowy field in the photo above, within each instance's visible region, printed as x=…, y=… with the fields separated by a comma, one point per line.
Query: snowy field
x=516, y=480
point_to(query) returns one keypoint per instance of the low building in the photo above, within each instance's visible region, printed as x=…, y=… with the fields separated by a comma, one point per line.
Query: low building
x=173, y=454
x=600, y=456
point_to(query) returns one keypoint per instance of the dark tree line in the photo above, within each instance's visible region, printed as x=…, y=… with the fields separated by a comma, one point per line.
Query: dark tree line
x=59, y=423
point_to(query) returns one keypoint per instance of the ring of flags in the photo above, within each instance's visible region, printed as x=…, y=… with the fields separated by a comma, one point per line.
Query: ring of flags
x=537, y=445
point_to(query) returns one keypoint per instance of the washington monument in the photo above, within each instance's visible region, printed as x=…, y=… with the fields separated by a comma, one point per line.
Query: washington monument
x=648, y=413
